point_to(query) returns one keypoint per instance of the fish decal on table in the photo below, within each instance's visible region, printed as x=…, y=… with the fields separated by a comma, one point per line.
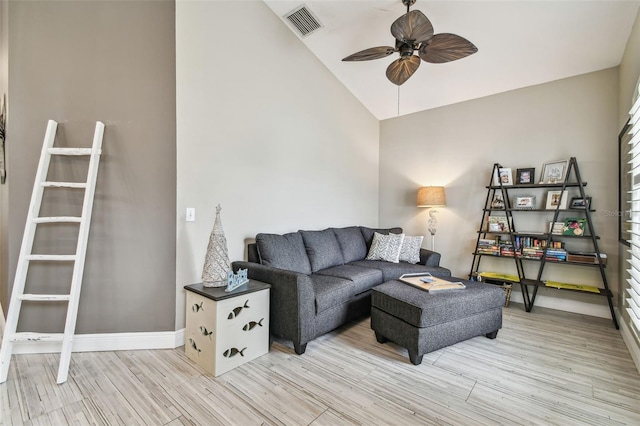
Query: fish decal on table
x=205, y=332
x=197, y=307
x=252, y=324
x=193, y=346
x=236, y=311
x=233, y=352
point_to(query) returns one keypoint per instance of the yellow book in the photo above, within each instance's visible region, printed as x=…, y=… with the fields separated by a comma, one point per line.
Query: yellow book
x=567, y=286
x=499, y=276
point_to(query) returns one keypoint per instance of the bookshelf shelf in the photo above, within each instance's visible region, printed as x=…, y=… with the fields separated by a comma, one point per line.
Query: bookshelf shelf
x=541, y=247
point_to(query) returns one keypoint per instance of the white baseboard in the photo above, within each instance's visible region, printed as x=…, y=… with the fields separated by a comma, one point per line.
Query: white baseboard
x=630, y=341
x=108, y=342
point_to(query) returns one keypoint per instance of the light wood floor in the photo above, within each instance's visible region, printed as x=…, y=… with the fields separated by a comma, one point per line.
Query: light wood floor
x=545, y=367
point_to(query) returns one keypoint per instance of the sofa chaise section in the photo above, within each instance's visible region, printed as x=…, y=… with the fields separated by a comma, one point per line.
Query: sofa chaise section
x=321, y=279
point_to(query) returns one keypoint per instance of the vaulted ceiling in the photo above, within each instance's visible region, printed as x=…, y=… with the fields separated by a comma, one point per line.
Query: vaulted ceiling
x=520, y=43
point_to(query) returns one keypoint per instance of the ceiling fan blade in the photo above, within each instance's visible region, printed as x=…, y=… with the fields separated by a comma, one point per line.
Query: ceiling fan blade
x=445, y=47
x=400, y=70
x=371, y=53
x=412, y=27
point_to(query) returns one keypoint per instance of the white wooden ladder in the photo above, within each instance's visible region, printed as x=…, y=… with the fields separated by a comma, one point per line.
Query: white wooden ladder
x=26, y=256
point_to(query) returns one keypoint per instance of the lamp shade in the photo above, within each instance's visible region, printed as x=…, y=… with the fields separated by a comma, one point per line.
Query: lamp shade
x=431, y=196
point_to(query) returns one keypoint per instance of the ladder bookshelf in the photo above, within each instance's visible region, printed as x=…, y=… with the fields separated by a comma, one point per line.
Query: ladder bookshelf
x=541, y=247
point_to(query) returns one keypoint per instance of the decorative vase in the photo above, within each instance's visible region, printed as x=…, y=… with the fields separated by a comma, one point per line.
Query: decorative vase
x=216, y=262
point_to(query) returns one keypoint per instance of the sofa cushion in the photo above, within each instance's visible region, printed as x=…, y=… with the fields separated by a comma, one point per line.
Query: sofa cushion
x=322, y=249
x=331, y=291
x=363, y=278
x=351, y=242
x=410, y=251
x=385, y=247
x=367, y=233
x=393, y=271
x=283, y=251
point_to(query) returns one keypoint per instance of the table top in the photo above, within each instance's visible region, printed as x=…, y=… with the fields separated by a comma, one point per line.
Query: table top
x=220, y=293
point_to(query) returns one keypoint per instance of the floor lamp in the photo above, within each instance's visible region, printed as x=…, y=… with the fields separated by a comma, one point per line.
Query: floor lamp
x=431, y=197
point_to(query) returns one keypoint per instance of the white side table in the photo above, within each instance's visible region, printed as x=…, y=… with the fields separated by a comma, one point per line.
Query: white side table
x=225, y=330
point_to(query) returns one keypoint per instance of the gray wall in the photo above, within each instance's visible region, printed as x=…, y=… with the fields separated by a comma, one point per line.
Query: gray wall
x=456, y=146
x=266, y=131
x=78, y=62
x=4, y=199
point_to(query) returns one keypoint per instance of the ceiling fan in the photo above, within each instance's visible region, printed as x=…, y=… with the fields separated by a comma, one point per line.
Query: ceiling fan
x=413, y=32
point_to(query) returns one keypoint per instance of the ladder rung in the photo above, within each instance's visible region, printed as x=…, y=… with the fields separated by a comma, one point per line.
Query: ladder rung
x=57, y=219
x=70, y=151
x=57, y=257
x=45, y=297
x=64, y=184
x=37, y=337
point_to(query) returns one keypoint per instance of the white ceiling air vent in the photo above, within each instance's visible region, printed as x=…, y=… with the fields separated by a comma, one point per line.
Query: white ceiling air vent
x=303, y=20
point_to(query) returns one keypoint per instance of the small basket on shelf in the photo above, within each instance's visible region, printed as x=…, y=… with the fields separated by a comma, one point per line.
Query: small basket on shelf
x=507, y=290
x=495, y=278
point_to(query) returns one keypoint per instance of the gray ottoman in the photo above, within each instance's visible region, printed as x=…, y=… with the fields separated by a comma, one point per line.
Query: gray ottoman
x=424, y=322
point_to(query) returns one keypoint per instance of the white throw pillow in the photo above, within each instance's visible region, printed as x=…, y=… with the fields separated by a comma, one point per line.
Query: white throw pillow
x=386, y=247
x=410, y=251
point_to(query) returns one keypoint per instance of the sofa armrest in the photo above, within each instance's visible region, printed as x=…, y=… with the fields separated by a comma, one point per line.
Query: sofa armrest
x=429, y=258
x=292, y=301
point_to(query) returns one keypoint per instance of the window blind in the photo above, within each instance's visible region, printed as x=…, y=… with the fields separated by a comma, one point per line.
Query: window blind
x=632, y=290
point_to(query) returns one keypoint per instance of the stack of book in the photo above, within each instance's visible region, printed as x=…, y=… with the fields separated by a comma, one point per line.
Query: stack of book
x=488, y=246
x=506, y=248
x=555, y=255
x=531, y=253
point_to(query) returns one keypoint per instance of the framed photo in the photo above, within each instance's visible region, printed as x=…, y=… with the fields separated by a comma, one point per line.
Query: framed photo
x=580, y=203
x=503, y=177
x=524, y=176
x=556, y=228
x=554, y=172
x=525, y=202
x=555, y=198
x=498, y=224
x=574, y=227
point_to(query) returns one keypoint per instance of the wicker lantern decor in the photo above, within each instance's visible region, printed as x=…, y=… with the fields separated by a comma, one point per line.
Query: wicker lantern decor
x=216, y=262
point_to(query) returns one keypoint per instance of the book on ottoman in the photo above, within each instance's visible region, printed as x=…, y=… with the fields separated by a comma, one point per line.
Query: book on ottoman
x=428, y=282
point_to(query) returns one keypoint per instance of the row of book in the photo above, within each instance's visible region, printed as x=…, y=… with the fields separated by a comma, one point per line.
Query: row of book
x=526, y=249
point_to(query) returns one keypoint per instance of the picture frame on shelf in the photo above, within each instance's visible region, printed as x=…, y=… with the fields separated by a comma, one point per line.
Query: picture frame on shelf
x=498, y=224
x=524, y=202
x=574, y=226
x=580, y=203
x=503, y=176
x=556, y=228
x=554, y=198
x=554, y=171
x=525, y=176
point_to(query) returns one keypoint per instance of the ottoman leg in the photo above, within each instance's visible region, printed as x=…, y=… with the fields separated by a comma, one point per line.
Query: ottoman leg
x=415, y=358
x=380, y=338
x=492, y=335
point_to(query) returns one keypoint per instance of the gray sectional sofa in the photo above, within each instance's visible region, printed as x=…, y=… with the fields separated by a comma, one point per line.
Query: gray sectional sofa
x=321, y=279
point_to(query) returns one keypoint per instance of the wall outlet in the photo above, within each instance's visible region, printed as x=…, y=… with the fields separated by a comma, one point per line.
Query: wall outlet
x=191, y=214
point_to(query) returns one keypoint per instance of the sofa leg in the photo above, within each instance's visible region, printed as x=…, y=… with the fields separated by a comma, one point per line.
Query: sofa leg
x=299, y=348
x=380, y=338
x=492, y=335
x=415, y=358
